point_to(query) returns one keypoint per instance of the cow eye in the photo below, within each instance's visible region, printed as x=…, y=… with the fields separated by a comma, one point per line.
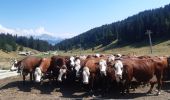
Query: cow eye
x=113, y=67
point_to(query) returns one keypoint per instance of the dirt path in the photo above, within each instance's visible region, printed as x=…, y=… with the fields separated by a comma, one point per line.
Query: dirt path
x=13, y=89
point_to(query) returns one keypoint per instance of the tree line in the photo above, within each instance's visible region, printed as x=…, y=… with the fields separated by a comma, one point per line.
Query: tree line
x=129, y=30
x=10, y=43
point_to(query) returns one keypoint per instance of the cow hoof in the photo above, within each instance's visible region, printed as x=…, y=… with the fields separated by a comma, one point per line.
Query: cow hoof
x=93, y=96
x=149, y=92
x=158, y=93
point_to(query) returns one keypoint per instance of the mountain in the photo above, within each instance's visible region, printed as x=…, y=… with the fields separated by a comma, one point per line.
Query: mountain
x=50, y=39
x=130, y=30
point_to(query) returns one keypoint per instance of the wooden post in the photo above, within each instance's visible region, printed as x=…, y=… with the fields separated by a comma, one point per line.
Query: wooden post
x=80, y=48
x=148, y=32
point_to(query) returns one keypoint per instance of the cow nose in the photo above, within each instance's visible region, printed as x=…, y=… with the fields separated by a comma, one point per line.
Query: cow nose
x=119, y=76
x=77, y=75
x=59, y=80
x=103, y=73
x=85, y=82
x=38, y=81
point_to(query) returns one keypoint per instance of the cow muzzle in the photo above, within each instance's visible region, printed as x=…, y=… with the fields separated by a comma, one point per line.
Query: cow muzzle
x=118, y=77
x=103, y=73
x=61, y=73
x=86, y=75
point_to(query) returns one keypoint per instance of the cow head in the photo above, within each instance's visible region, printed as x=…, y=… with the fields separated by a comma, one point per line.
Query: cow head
x=86, y=75
x=111, y=58
x=17, y=65
x=38, y=74
x=14, y=65
x=72, y=63
x=62, y=71
x=118, y=56
x=118, y=70
x=102, y=67
x=77, y=67
x=97, y=55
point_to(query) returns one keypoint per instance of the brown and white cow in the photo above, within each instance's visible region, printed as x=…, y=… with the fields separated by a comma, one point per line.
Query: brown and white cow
x=42, y=70
x=91, y=67
x=58, y=67
x=27, y=65
x=142, y=70
x=93, y=71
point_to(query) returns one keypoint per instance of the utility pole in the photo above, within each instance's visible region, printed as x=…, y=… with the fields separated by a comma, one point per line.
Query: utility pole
x=80, y=48
x=148, y=32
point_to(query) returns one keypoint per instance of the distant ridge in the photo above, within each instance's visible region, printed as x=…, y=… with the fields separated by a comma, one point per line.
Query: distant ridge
x=50, y=39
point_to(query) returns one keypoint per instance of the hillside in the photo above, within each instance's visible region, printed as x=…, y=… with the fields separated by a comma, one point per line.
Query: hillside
x=128, y=31
x=160, y=48
x=10, y=43
x=6, y=57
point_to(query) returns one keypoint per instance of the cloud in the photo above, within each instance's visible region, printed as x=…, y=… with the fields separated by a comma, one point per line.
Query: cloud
x=6, y=30
x=25, y=32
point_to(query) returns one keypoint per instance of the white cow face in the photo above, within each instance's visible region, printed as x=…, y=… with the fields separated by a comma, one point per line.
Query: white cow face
x=77, y=67
x=38, y=74
x=86, y=75
x=72, y=63
x=62, y=71
x=102, y=66
x=111, y=58
x=97, y=55
x=118, y=70
x=14, y=67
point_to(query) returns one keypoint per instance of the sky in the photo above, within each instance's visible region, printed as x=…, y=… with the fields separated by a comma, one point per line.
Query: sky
x=67, y=18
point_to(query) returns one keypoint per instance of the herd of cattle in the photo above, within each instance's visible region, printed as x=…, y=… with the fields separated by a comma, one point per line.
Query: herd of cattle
x=97, y=70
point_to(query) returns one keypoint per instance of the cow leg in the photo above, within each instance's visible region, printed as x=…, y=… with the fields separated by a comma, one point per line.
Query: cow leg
x=23, y=79
x=92, y=85
x=123, y=86
x=152, y=85
x=159, y=79
x=31, y=76
x=127, y=87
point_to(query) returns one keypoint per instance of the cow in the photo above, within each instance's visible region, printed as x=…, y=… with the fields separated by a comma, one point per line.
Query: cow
x=92, y=65
x=43, y=69
x=92, y=71
x=58, y=67
x=27, y=65
x=142, y=70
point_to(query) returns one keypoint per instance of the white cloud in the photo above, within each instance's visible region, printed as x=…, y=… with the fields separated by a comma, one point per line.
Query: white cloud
x=6, y=30
x=25, y=32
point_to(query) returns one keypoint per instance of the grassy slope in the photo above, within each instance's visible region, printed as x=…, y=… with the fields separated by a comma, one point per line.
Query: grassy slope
x=160, y=47
x=5, y=57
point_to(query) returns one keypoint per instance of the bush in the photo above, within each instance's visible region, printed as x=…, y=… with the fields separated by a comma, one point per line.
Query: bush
x=21, y=48
x=8, y=48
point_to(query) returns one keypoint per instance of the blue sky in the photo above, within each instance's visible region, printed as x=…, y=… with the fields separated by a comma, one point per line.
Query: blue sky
x=67, y=18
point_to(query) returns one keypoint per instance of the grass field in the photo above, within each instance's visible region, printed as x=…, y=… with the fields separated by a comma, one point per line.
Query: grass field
x=6, y=57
